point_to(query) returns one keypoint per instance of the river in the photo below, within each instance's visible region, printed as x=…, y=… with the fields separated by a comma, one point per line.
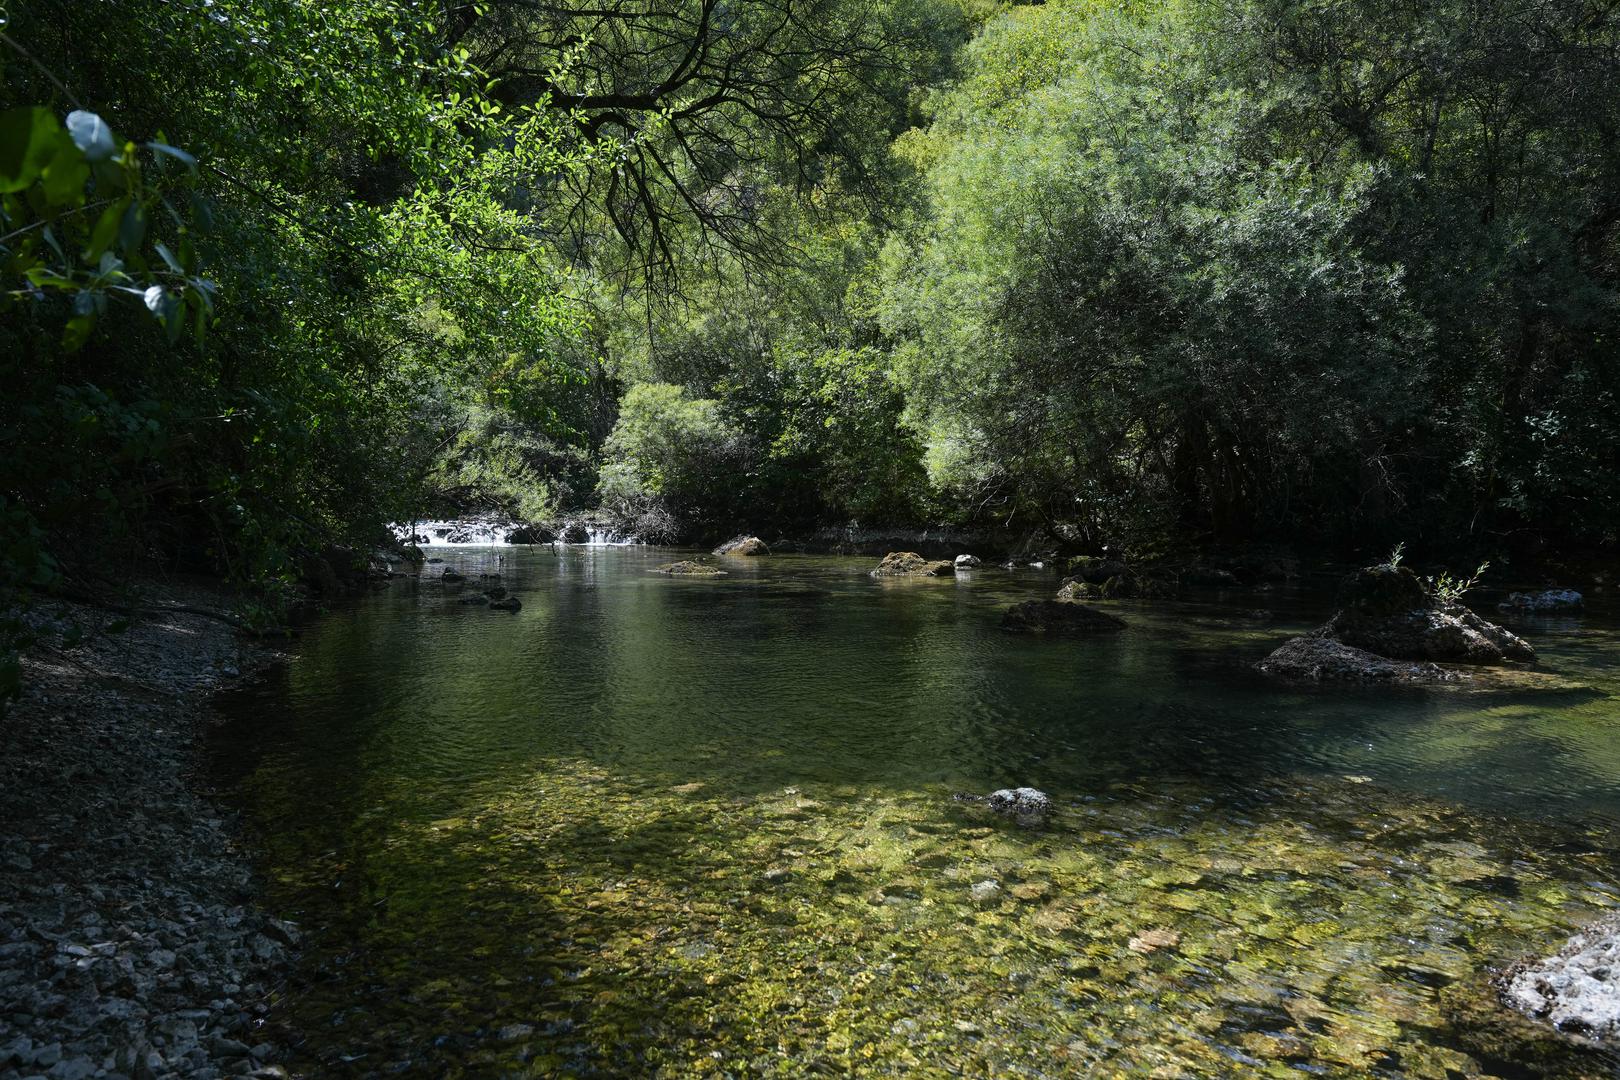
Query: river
x=653, y=826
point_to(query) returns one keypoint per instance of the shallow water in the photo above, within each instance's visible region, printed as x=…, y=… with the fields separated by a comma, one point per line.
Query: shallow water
x=662, y=826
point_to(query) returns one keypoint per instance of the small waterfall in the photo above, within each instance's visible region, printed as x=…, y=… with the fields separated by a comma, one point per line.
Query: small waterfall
x=599, y=537
x=487, y=532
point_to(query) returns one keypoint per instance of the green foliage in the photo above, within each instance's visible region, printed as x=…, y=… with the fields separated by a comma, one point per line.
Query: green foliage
x=1449, y=590
x=77, y=219
x=1222, y=270
x=672, y=467
x=372, y=277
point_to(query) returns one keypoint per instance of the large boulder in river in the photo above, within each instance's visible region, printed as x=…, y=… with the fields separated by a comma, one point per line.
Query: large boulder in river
x=1547, y=600
x=1389, y=614
x=1317, y=659
x=1445, y=632
x=689, y=568
x=743, y=545
x=1577, y=990
x=911, y=564
x=1058, y=617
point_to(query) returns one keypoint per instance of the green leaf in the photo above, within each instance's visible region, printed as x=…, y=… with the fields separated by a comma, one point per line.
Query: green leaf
x=168, y=256
x=77, y=332
x=64, y=178
x=132, y=229
x=174, y=152
x=28, y=140
x=106, y=230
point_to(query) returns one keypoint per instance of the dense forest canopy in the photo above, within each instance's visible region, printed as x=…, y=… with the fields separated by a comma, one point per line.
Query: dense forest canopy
x=1139, y=274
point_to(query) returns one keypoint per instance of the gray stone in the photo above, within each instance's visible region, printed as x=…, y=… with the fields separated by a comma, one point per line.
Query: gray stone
x=985, y=892
x=1026, y=805
x=1577, y=990
x=1315, y=659
x=1058, y=617
x=743, y=545
x=1557, y=600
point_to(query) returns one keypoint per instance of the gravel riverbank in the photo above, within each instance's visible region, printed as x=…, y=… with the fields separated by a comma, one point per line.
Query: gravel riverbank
x=129, y=943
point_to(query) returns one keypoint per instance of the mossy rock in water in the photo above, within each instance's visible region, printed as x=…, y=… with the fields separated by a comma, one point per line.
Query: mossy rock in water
x=1058, y=617
x=1384, y=590
x=1316, y=659
x=689, y=568
x=743, y=545
x=911, y=564
x=1075, y=589
x=1452, y=633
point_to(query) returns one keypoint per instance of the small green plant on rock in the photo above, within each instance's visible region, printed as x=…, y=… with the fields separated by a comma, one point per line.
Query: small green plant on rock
x=1449, y=590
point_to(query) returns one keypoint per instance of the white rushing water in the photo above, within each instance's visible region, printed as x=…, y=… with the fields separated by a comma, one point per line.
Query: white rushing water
x=486, y=532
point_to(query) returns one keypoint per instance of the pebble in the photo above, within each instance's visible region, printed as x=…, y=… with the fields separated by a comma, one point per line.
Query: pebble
x=126, y=949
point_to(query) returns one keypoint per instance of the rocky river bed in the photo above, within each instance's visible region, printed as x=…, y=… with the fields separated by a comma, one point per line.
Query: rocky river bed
x=130, y=944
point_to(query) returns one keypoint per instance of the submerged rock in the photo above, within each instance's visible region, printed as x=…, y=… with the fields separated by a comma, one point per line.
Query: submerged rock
x=911, y=564
x=450, y=577
x=1577, y=990
x=1058, y=617
x=743, y=545
x=985, y=892
x=1322, y=658
x=1149, y=941
x=1545, y=600
x=510, y=603
x=689, y=568
x=1026, y=805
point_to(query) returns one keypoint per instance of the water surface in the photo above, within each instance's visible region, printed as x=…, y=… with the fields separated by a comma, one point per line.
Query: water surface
x=662, y=826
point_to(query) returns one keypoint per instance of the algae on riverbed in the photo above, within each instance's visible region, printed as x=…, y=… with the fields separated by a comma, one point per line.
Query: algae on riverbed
x=579, y=923
x=666, y=828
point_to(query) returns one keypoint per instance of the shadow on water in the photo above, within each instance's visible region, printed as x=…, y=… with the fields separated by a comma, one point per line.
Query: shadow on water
x=649, y=826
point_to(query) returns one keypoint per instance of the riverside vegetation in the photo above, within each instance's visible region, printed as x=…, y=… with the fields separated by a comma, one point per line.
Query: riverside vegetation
x=1145, y=297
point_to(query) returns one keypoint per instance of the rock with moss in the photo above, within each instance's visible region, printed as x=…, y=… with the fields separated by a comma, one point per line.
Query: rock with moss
x=1388, y=614
x=1314, y=659
x=690, y=568
x=1058, y=617
x=743, y=545
x=911, y=564
x=1075, y=589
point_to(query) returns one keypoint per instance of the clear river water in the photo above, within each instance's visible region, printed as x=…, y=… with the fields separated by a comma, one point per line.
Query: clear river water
x=666, y=827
